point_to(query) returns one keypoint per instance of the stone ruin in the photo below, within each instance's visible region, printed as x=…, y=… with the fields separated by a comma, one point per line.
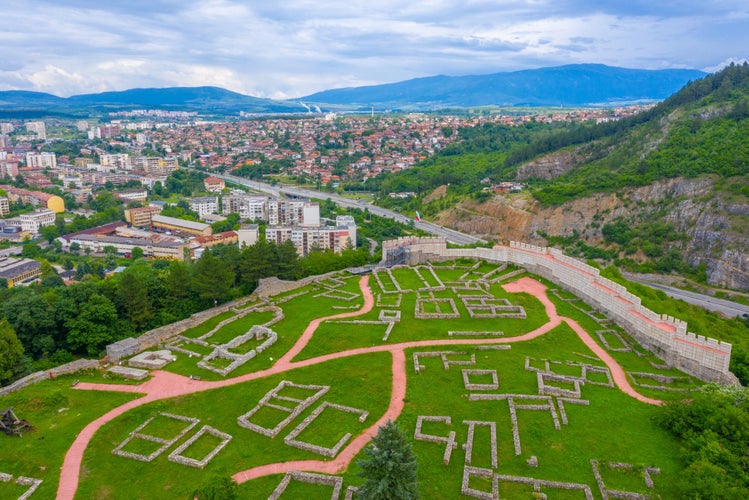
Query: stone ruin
x=443, y=355
x=291, y=438
x=165, y=443
x=273, y=399
x=177, y=457
x=152, y=360
x=308, y=477
x=11, y=425
x=448, y=304
x=32, y=483
x=257, y=332
x=607, y=493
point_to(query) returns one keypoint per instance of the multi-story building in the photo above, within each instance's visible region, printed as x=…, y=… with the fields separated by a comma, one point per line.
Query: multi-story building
x=204, y=205
x=16, y=271
x=34, y=221
x=41, y=160
x=120, y=161
x=141, y=217
x=248, y=206
x=214, y=184
x=310, y=239
x=349, y=223
x=4, y=206
x=38, y=128
x=285, y=212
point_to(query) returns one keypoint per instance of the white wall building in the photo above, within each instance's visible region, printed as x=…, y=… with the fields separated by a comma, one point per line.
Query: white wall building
x=33, y=221
x=204, y=205
x=41, y=160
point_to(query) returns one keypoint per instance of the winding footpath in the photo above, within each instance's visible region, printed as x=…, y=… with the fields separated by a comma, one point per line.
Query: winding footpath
x=164, y=385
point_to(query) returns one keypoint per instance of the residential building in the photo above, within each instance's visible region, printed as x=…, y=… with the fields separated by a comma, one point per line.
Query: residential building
x=141, y=217
x=41, y=160
x=214, y=184
x=348, y=222
x=120, y=160
x=252, y=207
x=34, y=221
x=309, y=239
x=248, y=235
x=4, y=206
x=38, y=128
x=16, y=271
x=204, y=205
x=132, y=195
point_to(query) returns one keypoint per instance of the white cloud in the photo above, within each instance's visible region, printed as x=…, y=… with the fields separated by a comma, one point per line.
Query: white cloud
x=297, y=47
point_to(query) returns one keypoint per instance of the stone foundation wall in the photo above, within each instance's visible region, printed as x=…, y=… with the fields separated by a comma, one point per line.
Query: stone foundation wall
x=665, y=336
x=72, y=367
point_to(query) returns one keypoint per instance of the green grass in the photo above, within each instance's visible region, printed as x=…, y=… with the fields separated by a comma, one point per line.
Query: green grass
x=58, y=413
x=111, y=476
x=207, y=325
x=408, y=279
x=613, y=428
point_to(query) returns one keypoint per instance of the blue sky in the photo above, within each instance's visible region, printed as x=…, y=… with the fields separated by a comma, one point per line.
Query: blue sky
x=68, y=47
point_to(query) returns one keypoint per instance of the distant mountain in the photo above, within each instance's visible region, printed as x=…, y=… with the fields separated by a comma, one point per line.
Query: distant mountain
x=572, y=85
x=201, y=99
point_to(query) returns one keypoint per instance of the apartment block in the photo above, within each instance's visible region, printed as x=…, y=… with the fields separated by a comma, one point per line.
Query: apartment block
x=34, y=221
x=41, y=160
x=204, y=205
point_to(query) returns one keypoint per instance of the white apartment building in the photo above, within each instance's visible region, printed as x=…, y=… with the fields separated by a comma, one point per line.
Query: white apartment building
x=41, y=160
x=204, y=205
x=120, y=161
x=38, y=128
x=308, y=239
x=347, y=221
x=247, y=206
x=283, y=212
x=4, y=206
x=34, y=221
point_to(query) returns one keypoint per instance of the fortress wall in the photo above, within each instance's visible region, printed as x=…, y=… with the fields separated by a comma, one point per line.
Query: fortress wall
x=662, y=334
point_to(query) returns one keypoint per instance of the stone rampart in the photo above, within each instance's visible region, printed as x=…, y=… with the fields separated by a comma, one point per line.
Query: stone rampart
x=665, y=336
x=72, y=367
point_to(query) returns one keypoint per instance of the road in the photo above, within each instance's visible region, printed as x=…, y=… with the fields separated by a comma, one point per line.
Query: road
x=725, y=307
x=449, y=234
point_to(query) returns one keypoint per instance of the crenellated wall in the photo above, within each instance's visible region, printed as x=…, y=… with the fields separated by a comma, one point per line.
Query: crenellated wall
x=665, y=336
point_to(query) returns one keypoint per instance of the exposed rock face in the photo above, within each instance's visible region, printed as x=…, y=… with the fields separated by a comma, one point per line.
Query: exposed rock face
x=549, y=166
x=717, y=227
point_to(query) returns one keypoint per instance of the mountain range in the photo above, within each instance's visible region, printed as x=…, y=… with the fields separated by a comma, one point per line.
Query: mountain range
x=571, y=85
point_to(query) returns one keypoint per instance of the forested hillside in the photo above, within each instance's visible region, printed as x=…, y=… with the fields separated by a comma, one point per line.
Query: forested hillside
x=666, y=190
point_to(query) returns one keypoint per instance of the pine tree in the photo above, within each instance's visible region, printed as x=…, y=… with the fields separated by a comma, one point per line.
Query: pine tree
x=390, y=467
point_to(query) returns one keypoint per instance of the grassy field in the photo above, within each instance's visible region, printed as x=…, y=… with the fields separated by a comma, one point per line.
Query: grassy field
x=610, y=427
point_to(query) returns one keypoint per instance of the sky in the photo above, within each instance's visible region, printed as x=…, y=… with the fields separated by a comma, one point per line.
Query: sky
x=291, y=48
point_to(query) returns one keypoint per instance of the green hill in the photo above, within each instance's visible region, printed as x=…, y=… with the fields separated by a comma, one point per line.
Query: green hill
x=666, y=190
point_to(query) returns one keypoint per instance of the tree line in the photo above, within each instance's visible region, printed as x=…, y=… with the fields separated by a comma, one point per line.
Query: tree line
x=55, y=323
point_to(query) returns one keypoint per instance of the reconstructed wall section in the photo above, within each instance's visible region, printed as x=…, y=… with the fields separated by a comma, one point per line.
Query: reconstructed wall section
x=665, y=336
x=72, y=367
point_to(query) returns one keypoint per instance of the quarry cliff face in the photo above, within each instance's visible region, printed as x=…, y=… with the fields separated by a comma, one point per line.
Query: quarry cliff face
x=716, y=225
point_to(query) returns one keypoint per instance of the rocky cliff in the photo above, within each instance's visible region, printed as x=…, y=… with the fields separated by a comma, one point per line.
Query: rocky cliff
x=712, y=225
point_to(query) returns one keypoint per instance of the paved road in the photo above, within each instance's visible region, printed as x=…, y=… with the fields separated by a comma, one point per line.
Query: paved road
x=726, y=307
x=450, y=234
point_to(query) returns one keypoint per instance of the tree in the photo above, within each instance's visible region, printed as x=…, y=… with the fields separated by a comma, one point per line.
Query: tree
x=217, y=488
x=212, y=280
x=11, y=350
x=94, y=327
x=390, y=466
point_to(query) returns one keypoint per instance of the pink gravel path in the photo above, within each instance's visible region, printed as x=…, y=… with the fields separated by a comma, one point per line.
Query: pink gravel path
x=166, y=385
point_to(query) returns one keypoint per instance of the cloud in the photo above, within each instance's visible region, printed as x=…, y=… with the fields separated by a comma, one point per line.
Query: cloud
x=297, y=47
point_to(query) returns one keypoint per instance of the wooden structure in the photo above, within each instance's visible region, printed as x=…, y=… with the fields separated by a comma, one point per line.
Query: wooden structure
x=11, y=424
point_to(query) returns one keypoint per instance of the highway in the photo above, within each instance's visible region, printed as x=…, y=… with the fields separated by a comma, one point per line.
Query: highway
x=725, y=307
x=451, y=235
